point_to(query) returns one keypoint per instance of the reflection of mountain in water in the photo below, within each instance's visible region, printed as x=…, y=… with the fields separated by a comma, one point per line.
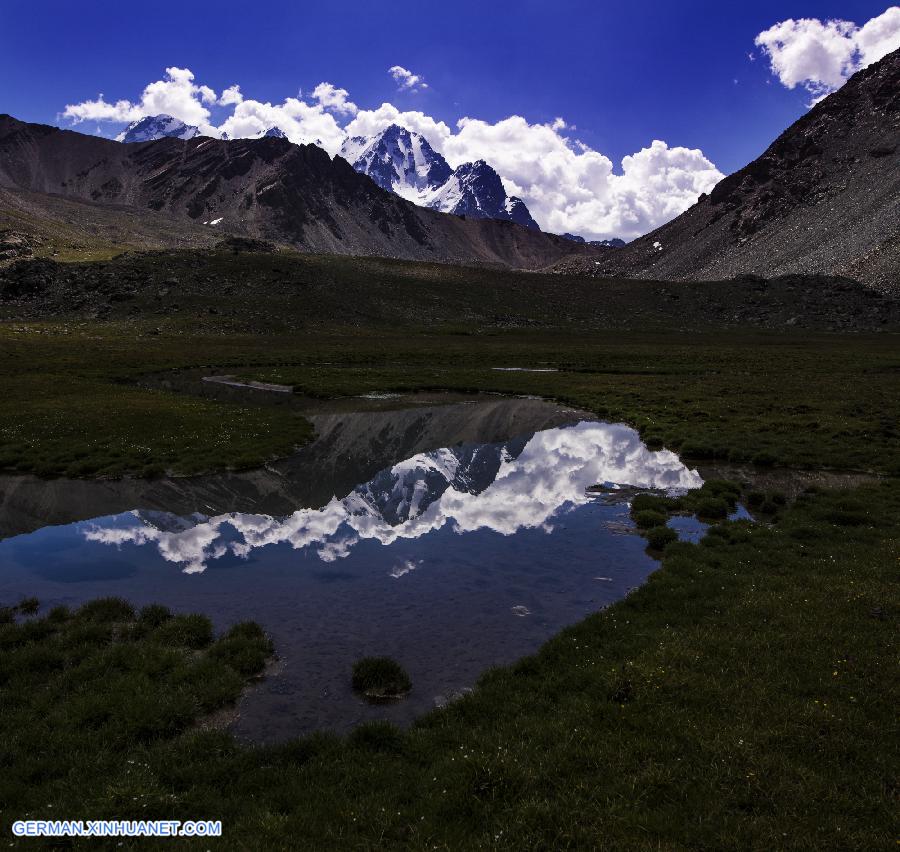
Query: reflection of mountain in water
x=350, y=447
x=503, y=487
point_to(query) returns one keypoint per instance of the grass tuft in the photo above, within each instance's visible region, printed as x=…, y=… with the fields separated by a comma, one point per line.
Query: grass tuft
x=659, y=538
x=380, y=678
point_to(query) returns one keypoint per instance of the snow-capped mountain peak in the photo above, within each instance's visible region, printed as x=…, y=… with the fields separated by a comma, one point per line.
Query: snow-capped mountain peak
x=274, y=133
x=399, y=161
x=475, y=190
x=402, y=161
x=152, y=127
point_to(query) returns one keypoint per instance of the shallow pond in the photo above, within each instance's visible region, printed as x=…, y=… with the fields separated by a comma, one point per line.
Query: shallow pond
x=451, y=537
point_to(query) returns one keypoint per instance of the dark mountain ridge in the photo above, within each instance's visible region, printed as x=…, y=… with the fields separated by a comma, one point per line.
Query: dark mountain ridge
x=265, y=188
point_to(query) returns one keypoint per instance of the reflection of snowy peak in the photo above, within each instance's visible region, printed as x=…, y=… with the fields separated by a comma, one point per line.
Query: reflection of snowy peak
x=403, y=162
x=521, y=484
x=406, y=490
x=157, y=127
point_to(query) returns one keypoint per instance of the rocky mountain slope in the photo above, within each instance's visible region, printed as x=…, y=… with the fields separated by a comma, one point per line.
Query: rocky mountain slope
x=403, y=162
x=615, y=242
x=266, y=188
x=824, y=198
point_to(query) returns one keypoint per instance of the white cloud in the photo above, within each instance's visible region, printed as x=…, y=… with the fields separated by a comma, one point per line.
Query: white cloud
x=405, y=79
x=567, y=185
x=821, y=55
x=370, y=121
x=176, y=95
x=548, y=477
x=879, y=36
x=334, y=99
x=301, y=122
x=231, y=95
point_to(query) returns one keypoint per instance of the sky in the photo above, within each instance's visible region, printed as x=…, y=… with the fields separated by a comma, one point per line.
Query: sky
x=607, y=118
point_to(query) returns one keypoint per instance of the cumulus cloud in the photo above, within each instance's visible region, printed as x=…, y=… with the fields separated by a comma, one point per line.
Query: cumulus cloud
x=231, y=95
x=371, y=121
x=568, y=186
x=334, y=99
x=176, y=95
x=405, y=79
x=549, y=477
x=301, y=122
x=821, y=55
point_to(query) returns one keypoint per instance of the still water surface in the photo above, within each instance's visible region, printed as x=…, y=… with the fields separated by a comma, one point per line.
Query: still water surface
x=451, y=537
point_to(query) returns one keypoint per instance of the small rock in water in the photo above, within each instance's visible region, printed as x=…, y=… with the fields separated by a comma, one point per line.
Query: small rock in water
x=521, y=611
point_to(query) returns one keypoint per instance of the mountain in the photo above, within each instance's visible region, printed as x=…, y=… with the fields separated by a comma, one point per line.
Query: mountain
x=264, y=188
x=823, y=198
x=157, y=127
x=274, y=133
x=403, y=162
x=475, y=190
x=615, y=242
x=399, y=161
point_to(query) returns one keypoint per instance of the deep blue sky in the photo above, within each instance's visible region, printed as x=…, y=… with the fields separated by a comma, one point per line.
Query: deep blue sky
x=624, y=73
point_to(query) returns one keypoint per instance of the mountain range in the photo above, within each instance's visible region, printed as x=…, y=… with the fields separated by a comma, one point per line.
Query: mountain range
x=265, y=188
x=823, y=199
x=399, y=161
x=403, y=162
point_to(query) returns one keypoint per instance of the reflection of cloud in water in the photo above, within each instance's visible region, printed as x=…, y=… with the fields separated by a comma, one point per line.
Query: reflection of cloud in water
x=405, y=567
x=490, y=487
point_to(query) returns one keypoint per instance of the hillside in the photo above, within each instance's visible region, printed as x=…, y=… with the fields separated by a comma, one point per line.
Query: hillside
x=824, y=198
x=266, y=188
x=241, y=289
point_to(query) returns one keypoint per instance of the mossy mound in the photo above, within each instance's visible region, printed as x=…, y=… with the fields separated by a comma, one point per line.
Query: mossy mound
x=381, y=679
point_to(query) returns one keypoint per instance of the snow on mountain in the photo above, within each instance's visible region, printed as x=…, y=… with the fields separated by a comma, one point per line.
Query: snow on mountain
x=475, y=189
x=398, y=161
x=403, y=162
x=518, y=212
x=157, y=127
x=273, y=133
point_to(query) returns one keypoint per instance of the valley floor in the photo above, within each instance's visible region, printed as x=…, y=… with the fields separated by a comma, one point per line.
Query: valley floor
x=743, y=698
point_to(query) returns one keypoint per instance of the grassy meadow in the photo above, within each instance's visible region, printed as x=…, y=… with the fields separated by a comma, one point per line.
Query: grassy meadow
x=743, y=698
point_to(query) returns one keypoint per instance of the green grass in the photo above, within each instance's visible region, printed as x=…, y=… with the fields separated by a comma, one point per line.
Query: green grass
x=70, y=406
x=84, y=692
x=736, y=397
x=69, y=403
